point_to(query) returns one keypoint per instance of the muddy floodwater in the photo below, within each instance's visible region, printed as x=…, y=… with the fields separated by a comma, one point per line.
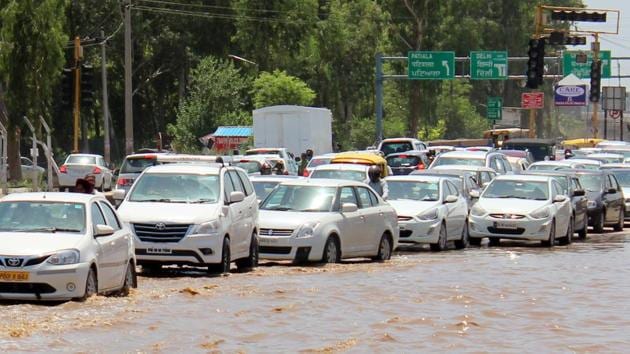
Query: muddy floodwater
x=517, y=298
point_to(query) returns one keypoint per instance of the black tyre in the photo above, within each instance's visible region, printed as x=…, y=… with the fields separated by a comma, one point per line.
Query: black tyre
x=224, y=266
x=331, y=251
x=441, y=243
x=463, y=242
x=91, y=285
x=598, y=223
x=251, y=261
x=494, y=242
x=552, y=237
x=619, y=225
x=131, y=281
x=568, y=238
x=584, y=232
x=384, y=249
x=151, y=268
x=473, y=241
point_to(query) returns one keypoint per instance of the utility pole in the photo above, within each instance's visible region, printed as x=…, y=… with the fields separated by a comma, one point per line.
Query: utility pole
x=106, y=147
x=379, y=97
x=128, y=81
x=77, y=92
x=595, y=117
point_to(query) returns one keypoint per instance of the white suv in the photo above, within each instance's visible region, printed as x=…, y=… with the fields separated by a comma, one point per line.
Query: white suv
x=190, y=214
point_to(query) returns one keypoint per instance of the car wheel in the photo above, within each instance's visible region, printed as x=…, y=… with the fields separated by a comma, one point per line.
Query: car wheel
x=331, y=251
x=568, y=238
x=91, y=285
x=619, y=224
x=131, y=281
x=251, y=261
x=598, y=223
x=494, y=242
x=474, y=241
x=552, y=236
x=584, y=232
x=151, y=268
x=224, y=266
x=463, y=242
x=441, y=243
x=384, y=249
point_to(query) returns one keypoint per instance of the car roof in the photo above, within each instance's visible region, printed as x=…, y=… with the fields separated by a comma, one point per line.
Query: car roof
x=410, y=152
x=445, y=173
x=533, y=178
x=323, y=182
x=554, y=163
x=342, y=167
x=605, y=154
x=468, y=168
x=416, y=178
x=187, y=168
x=274, y=178
x=464, y=153
x=546, y=173
x=618, y=166
x=325, y=156
x=589, y=172
x=587, y=161
x=86, y=155
x=66, y=197
x=394, y=140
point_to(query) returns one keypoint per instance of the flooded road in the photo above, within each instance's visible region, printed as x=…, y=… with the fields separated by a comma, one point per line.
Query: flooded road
x=514, y=298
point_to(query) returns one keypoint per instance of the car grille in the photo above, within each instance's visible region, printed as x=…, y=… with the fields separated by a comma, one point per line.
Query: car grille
x=274, y=250
x=276, y=232
x=26, y=288
x=404, y=218
x=517, y=231
x=405, y=233
x=507, y=216
x=160, y=232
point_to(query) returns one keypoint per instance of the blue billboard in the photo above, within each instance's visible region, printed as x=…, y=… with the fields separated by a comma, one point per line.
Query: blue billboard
x=570, y=95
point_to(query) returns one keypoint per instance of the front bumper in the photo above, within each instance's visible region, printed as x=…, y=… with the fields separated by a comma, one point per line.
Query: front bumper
x=520, y=229
x=197, y=250
x=46, y=282
x=416, y=231
x=291, y=248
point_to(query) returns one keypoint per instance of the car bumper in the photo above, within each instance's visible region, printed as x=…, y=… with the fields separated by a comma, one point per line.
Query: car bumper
x=198, y=250
x=47, y=283
x=291, y=248
x=627, y=212
x=69, y=180
x=419, y=231
x=521, y=229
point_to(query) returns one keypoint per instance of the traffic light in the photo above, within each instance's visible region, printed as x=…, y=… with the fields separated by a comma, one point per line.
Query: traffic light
x=67, y=88
x=87, y=85
x=560, y=38
x=578, y=16
x=535, y=63
x=596, y=78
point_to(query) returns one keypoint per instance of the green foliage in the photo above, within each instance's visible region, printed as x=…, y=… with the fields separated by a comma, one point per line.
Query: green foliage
x=433, y=132
x=278, y=88
x=216, y=97
x=458, y=113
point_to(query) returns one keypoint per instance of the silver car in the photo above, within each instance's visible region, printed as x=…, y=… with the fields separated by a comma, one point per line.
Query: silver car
x=80, y=165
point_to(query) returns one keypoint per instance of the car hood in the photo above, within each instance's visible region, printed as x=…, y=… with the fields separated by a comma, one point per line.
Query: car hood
x=176, y=213
x=510, y=205
x=269, y=219
x=31, y=243
x=412, y=207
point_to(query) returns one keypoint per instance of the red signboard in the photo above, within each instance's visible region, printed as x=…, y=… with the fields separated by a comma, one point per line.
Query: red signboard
x=532, y=100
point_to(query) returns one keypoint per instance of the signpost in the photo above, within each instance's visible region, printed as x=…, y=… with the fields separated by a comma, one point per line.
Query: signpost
x=532, y=100
x=495, y=109
x=570, y=95
x=426, y=65
x=613, y=104
x=583, y=70
x=488, y=65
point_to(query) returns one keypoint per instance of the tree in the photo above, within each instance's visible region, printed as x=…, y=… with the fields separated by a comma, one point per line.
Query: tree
x=31, y=59
x=277, y=88
x=216, y=96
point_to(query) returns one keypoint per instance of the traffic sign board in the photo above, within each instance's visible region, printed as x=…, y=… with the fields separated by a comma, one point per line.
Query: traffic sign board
x=426, y=65
x=583, y=70
x=488, y=65
x=495, y=108
x=532, y=100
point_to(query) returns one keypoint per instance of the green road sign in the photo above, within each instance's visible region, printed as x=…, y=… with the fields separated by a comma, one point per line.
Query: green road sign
x=583, y=70
x=425, y=65
x=495, y=108
x=488, y=65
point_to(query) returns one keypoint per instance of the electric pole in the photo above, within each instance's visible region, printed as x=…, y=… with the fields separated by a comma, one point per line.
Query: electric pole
x=128, y=81
x=106, y=147
x=77, y=92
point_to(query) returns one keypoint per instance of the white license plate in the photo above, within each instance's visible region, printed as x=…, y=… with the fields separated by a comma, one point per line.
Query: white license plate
x=505, y=225
x=268, y=241
x=155, y=250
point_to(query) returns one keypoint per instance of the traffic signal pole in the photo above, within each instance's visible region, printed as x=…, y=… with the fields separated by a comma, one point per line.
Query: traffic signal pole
x=77, y=93
x=595, y=117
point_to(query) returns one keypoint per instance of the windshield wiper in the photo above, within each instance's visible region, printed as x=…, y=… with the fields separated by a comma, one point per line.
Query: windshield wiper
x=279, y=208
x=48, y=229
x=160, y=200
x=510, y=196
x=202, y=200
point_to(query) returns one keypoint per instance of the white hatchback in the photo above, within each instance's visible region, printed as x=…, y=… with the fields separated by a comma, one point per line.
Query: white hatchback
x=326, y=220
x=352, y=172
x=61, y=246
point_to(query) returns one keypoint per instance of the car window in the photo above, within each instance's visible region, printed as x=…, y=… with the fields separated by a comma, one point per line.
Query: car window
x=100, y=161
x=346, y=195
x=373, y=198
x=575, y=184
x=613, y=182
x=364, y=197
x=229, y=185
x=470, y=183
x=246, y=183
x=97, y=215
x=608, y=183
x=555, y=188
x=236, y=181
x=112, y=220
x=506, y=164
x=452, y=190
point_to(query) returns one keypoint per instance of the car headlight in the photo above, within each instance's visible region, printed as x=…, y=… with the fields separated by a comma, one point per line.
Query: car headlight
x=307, y=230
x=477, y=210
x=541, y=213
x=429, y=215
x=64, y=257
x=207, y=228
x=591, y=204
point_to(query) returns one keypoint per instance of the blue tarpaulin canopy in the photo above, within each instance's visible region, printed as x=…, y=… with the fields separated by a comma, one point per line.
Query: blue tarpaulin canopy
x=233, y=131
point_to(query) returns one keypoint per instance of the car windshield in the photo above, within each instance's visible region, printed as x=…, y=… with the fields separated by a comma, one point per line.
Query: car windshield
x=263, y=152
x=394, y=147
x=591, y=182
x=137, y=165
x=414, y=190
x=403, y=161
x=445, y=160
x=300, y=198
x=625, y=153
x=603, y=159
x=538, y=151
x=547, y=167
x=264, y=188
x=531, y=190
x=318, y=162
x=176, y=188
x=249, y=166
x=623, y=177
x=42, y=216
x=81, y=160
x=358, y=176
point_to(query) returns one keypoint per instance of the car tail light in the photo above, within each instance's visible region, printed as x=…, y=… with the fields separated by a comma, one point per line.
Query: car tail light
x=96, y=171
x=286, y=173
x=124, y=182
x=420, y=166
x=63, y=169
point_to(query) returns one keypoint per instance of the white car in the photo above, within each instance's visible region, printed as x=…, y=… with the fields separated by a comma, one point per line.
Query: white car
x=289, y=162
x=495, y=160
x=326, y=220
x=62, y=246
x=555, y=165
x=189, y=214
x=606, y=157
x=430, y=210
x=522, y=207
x=352, y=172
x=80, y=165
x=587, y=164
x=263, y=185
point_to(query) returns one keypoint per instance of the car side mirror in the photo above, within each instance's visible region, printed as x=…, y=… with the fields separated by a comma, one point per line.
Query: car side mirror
x=103, y=230
x=474, y=194
x=450, y=199
x=349, y=208
x=579, y=193
x=236, y=197
x=119, y=194
x=559, y=198
x=116, y=172
x=612, y=191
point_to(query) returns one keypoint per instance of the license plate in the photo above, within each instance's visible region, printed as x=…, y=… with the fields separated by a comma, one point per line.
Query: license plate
x=159, y=250
x=14, y=276
x=505, y=225
x=268, y=241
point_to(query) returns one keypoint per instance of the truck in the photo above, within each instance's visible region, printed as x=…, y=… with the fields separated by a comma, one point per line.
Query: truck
x=295, y=128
